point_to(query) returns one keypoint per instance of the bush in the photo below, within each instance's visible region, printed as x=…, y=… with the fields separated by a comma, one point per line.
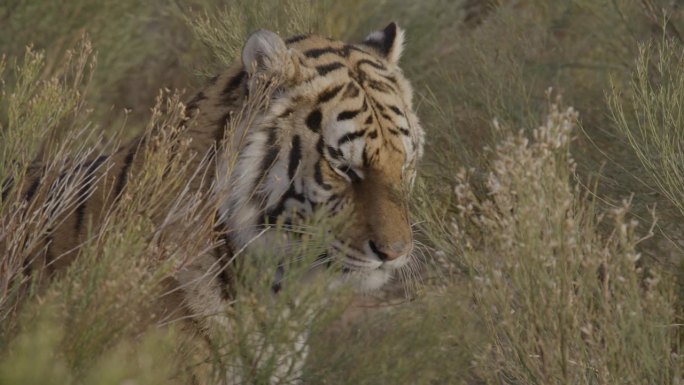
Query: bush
x=560, y=302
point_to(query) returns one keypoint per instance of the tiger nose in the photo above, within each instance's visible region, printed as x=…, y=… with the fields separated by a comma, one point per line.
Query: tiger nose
x=389, y=251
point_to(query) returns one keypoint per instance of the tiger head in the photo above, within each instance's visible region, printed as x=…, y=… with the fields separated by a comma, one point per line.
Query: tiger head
x=338, y=133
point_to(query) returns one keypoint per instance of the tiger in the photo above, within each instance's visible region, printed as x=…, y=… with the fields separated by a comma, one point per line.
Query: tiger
x=339, y=132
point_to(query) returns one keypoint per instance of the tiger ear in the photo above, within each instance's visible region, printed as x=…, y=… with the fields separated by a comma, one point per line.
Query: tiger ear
x=264, y=51
x=389, y=42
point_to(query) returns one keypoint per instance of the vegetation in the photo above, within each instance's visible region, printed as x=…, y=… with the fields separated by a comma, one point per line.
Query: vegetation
x=550, y=236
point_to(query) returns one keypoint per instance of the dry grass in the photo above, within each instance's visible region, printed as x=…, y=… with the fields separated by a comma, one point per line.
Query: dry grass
x=532, y=277
x=561, y=302
x=651, y=117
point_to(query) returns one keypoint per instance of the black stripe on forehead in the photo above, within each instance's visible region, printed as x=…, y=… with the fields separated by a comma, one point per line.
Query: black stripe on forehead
x=347, y=115
x=380, y=86
x=351, y=114
x=329, y=94
x=351, y=91
x=297, y=38
x=343, y=51
x=374, y=64
x=317, y=52
x=327, y=68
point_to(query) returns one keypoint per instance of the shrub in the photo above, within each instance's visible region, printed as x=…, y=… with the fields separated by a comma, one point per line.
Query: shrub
x=560, y=302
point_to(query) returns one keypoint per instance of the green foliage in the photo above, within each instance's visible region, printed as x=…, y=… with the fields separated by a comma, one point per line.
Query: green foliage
x=529, y=276
x=424, y=342
x=55, y=27
x=651, y=118
x=45, y=120
x=224, y=30
x=561, y=303
x=37, y=356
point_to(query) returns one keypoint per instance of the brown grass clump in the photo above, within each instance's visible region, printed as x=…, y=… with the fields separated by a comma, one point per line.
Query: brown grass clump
x=38, y=115
x=562, y=301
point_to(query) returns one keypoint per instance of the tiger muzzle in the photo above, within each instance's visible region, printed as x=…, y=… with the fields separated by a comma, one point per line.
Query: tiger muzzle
x=385, y=212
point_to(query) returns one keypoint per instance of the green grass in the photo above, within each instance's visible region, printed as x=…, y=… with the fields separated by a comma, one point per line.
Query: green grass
x=551, y=237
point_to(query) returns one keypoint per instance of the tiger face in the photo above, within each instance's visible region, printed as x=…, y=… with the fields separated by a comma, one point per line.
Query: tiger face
x=339, y=134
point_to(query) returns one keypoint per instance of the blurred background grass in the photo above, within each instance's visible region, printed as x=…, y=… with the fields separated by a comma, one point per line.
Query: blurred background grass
x=490, y=307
